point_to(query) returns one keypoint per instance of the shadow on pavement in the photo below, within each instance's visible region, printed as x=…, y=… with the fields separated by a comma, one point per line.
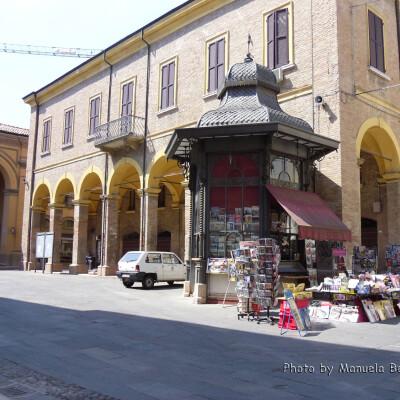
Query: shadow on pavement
x=135, y=357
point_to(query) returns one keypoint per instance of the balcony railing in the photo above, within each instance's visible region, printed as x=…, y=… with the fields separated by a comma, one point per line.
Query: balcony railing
x=127, y=127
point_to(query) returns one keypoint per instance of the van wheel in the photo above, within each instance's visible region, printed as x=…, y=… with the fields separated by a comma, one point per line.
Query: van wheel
x=170, y=283
x=128, y=284
x=148, y=282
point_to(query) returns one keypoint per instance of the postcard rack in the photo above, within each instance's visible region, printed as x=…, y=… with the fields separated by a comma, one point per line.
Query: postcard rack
x=256, y=269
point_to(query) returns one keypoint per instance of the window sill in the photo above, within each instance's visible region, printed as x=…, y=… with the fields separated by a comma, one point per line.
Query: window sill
x=280, y=71
x=379, y=73
x=67, y=146
x=45, y=153
x=210, y=95
x=130, y=211
x=161, y=208
x=166, y=110
x=288, y=67
x=90, y=138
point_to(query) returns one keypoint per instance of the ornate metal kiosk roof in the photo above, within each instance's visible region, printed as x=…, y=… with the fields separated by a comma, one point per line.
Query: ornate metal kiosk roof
x=249, y=107
x=249, y=96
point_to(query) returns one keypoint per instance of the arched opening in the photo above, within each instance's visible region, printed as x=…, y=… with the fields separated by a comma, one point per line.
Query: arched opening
x=67, y=235
x=369, y=232
x=130, y=242
x=125, y=184
x=378, y=158
x=164, y=241
x=166, y=177
x=62, y=222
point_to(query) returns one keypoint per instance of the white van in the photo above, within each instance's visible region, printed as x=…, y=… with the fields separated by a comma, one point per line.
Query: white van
x=149, y=267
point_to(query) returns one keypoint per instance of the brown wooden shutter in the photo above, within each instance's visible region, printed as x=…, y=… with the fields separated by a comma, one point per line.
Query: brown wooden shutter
x=372, y=47
x=164, y=86
x=92, y=116
x=171, y=83
x=281, y=38
x=376, y=42
x=220, y=62
x=130, y=98
x=46, y=136
x=380, y=56
x=124, y=100
x=127, y=99
x=167, y=85
x=271, y=40
x=68, y=127
x=212, y=66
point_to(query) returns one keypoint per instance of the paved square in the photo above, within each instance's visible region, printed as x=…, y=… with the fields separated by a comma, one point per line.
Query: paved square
x=81, y=337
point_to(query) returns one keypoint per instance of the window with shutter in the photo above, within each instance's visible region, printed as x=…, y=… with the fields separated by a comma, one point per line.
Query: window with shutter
x=68, y=125
x=278, y=38
x=94, y=119
x=167, y=85
x=376, y=42
x=216, y=64
x=46, y=136
x=127, y=99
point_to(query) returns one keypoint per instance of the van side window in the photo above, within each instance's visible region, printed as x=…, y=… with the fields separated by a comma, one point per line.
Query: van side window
x=175, y=259
x=170, y=259
x=153, y=258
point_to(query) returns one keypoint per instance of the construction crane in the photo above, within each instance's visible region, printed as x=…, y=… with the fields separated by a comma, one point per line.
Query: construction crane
x=48, y=51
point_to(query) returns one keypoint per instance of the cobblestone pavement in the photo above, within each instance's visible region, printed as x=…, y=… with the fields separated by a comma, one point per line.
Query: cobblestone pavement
x=88, y=337
x=17, y=381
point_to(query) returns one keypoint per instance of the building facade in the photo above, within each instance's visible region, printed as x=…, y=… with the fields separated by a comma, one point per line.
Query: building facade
x=99, y=133
x=13, y=151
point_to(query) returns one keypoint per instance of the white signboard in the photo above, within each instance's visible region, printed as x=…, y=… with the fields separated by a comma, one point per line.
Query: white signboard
x=44, y=244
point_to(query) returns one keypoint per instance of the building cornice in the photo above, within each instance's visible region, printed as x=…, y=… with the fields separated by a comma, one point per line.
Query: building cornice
x=165, y=25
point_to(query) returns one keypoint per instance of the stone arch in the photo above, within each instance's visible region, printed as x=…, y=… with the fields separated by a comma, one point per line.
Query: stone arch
x=91, y=175
x=65, y=185
x=42, y=193
x=9, y=173
x=376, y=137
x=125, y=176
x=166, y=172
x=121, y=171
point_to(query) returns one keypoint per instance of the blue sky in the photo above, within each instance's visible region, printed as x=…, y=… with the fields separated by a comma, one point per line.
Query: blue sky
x=91, y=24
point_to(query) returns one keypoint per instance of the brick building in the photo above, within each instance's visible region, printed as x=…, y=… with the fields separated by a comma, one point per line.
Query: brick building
x=99, y=133
x=13, y=149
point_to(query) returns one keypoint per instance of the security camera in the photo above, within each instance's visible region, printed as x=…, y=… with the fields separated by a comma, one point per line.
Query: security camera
x=319, y=100
x=23, y=180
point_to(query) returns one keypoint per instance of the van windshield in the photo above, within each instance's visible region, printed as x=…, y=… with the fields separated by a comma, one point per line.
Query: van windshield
x=130, y=257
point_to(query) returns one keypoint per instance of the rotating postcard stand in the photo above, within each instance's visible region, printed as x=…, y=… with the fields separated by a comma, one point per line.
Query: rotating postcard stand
x=300, y=315
x=256, y=266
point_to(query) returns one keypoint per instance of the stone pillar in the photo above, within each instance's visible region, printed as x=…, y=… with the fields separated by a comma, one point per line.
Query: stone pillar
x=8, y=226
x=79, y=250
x=187, y=236
x=56, y=214
x=110, y=239
x=393, y=206
x=118, y=242
x=37, y=215
x=92, y=224
x=175, y=231
x=150, y=216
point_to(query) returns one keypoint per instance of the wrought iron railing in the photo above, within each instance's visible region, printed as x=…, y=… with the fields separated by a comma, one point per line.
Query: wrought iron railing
x=119, y=128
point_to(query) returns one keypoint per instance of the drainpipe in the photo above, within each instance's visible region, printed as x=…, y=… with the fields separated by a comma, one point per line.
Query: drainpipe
x=103, y=225
x=32, y=183
x=397, y=6
x=146, y=118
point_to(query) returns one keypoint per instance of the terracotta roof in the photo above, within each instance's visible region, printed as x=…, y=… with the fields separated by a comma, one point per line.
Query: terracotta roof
x=13, y=129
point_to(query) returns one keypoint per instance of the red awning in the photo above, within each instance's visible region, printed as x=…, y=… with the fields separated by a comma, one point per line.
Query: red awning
x=315, y=219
